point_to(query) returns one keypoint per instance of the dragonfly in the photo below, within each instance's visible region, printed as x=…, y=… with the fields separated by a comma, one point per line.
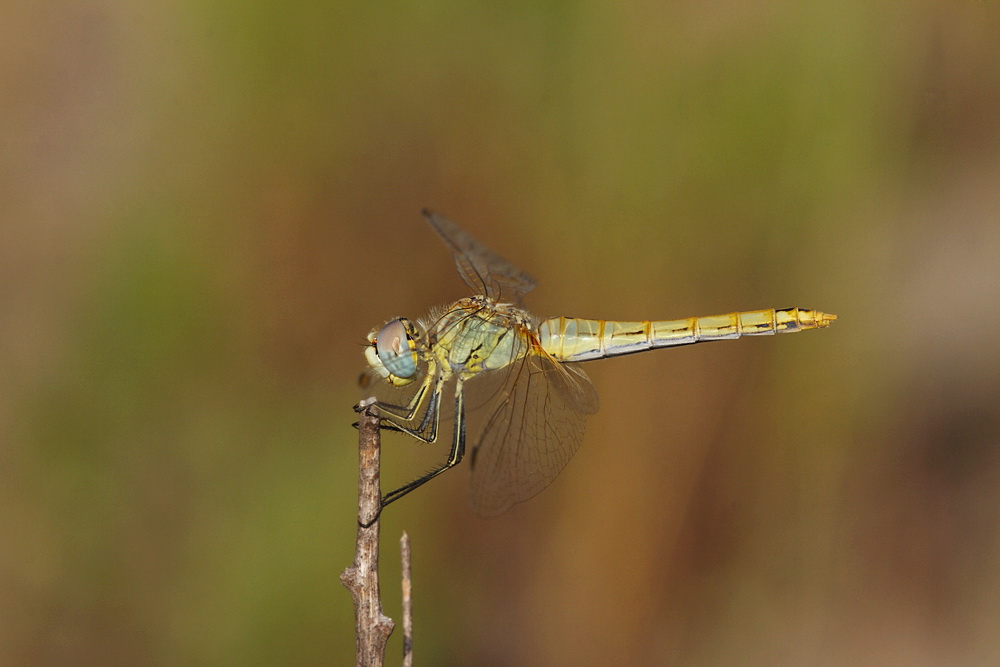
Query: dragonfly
x=519, y=375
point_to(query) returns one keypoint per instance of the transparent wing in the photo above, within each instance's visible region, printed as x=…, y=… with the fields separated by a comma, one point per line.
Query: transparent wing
x=534, y=426
x=482, y=269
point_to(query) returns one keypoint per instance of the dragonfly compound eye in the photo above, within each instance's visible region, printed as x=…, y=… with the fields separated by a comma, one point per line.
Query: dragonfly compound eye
x=396, y=349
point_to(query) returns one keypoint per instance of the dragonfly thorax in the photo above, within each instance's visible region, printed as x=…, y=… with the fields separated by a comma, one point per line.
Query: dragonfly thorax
x=478, y=334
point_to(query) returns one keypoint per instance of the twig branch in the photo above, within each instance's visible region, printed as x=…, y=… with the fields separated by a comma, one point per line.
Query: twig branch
x=404, y=547
x=372, y=626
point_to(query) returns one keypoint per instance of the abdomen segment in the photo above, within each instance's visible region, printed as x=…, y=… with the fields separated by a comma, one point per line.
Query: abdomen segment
x=576, y=339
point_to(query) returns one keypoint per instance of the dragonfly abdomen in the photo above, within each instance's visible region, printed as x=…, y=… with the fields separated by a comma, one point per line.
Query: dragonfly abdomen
x=577, y=339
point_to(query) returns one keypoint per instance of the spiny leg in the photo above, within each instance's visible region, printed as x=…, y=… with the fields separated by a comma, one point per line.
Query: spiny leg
x=402, y=412
x=407, y=412
x=431, y=418
x=454, y=457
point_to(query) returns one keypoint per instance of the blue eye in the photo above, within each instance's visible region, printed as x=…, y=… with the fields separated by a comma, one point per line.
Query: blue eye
x=395, y=349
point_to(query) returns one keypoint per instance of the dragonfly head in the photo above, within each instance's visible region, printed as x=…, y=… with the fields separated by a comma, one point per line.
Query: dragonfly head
x=392, y=352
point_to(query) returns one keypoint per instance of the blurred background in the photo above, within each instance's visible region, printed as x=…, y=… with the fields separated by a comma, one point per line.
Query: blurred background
x=207, y=206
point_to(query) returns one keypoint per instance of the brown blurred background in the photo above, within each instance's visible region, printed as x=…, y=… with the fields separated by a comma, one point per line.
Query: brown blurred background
x=206, y=206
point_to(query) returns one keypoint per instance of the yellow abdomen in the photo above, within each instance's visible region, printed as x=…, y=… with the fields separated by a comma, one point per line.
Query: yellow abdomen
x=576, y=339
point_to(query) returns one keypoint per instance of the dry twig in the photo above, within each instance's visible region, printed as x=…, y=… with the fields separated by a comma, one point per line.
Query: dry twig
x=404, y=547
x=372, y=626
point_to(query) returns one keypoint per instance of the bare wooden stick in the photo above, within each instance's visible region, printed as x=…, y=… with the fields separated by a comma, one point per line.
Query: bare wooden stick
x=371, y=625
x=404, y=547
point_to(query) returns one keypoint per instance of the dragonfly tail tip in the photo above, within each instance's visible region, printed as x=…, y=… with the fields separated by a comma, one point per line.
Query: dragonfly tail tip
x=825, y=319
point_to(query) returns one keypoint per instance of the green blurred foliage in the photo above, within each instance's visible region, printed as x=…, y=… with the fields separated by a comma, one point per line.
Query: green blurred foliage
x=207, y=206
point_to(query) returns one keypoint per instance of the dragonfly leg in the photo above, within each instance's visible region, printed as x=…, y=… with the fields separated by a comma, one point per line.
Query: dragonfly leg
x=420, y=432
x=454, y=457
x=430, y=420
x=408, y=411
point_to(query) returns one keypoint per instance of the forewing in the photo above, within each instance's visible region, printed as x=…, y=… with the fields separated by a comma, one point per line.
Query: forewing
x=482, y=269
x=535, y=425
